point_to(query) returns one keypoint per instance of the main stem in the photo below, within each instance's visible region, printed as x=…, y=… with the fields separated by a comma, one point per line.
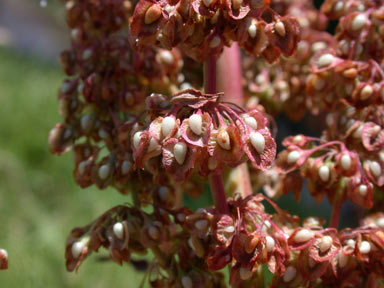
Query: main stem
x=217, y=185
x=230, y=82
x=335, y=216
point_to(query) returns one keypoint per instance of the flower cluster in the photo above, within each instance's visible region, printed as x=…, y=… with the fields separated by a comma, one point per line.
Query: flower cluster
x=281, y=87
x=244, y=239
x=199, y=131
x=203, y=28
x=329, y=168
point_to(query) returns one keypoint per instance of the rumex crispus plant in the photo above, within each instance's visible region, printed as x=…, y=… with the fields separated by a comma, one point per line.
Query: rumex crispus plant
x=163, y=95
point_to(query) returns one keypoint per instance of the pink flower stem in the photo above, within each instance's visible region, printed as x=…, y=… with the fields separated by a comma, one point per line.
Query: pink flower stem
x=335, y=216
x=230, y=82
x=230, y=75
x=217, y=185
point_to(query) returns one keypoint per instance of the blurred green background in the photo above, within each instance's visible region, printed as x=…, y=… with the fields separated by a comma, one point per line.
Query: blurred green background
x=39, y=202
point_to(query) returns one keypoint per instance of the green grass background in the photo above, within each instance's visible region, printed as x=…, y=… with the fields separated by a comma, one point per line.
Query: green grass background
x=39, y=201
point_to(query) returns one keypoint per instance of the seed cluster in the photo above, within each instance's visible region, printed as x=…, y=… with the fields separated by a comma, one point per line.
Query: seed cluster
x=244, y=239
x=280, y=88
x=203, y=28
x=198, y=131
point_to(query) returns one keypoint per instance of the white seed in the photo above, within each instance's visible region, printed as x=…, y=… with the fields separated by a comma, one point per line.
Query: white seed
x=270, y=243
x=167, y=57
x=245, y=273
x=342, y=259
x=224, y=140
x=363, y=190
x=364, y=247
x=252, y=30
x=167, y=125
x=260, y=79
x=303, y=236
x=251, y=122
x=317, y=46
x=215, y=42
x=236, y=4
x=280, y=28
x=351, y=243
x=126, y=167
x=325, y=60
x=104, y=171
x=366, y=92
x=77, y=248
x=257, y=141
x=153, y=232
x=118, y=230
x=201, y=224
x=180, y=152
x=81, y=167
x=380, y=222
x=212, y=163
x=136, y=139
x=324, y=173
x=229, y=229
x=289, y=274
x=86, y=122
x=297, y=139
x=375, y=168
x=293, y=156
x=186, y=281
x=346, y=161
x=338, y=6
x=196, y=124
x=358, y=22
x=163, y=193
x=325, y=244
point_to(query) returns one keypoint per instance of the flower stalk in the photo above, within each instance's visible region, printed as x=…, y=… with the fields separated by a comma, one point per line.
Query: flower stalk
x=216, y=180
